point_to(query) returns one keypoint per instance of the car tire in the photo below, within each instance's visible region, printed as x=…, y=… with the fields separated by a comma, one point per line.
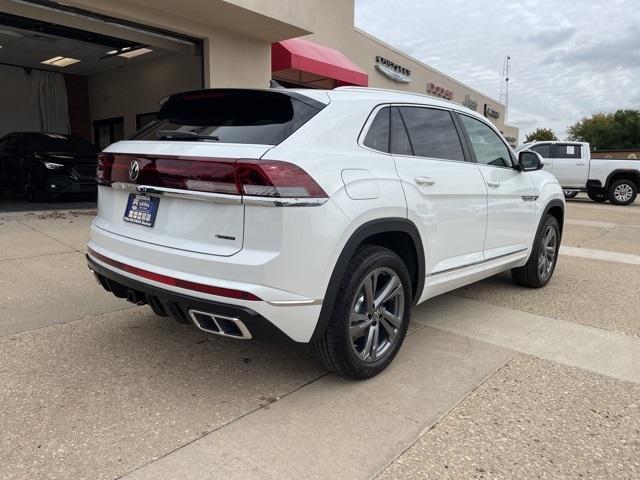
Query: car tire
x=360, y=319
x=599, y=196
x=570, y=193
x=539, y=269
x=623, y=192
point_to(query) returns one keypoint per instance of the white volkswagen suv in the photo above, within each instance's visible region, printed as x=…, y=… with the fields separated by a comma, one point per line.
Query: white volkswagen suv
x=317, y=216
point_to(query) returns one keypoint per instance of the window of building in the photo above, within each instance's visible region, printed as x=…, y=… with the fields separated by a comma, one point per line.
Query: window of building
x=487, y=144
x=432, y=133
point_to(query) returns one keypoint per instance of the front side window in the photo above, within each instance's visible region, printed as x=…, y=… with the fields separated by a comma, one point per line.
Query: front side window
x=568, y=151
x=432, y=133
x=378, y=135
x=487, y=145
x=544, y=150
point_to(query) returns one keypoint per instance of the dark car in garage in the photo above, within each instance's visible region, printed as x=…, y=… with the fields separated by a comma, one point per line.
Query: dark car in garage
x=47, y=165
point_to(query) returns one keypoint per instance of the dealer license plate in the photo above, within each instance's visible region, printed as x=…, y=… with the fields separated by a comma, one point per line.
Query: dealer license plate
x=141, y=209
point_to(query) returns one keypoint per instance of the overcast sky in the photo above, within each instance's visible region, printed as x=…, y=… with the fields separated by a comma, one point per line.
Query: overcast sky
x=569, y=58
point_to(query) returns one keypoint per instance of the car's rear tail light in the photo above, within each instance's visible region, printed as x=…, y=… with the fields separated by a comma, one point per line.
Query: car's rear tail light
x=103, y=169
x=272, y=178
x=259, y=178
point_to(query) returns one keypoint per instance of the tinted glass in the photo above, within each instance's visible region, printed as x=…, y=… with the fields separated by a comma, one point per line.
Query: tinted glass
x=568, y=151
x=432, y=133
x=400, y=144
x=378, y=134
x=488, y=146
x=544, y=150
x=232, y=116
x=54, y=143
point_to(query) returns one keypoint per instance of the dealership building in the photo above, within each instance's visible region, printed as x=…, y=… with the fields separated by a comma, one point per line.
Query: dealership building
x=99, y=68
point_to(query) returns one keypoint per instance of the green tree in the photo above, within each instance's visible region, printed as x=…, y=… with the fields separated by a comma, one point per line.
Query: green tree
x=608, y=130
x=541, y=134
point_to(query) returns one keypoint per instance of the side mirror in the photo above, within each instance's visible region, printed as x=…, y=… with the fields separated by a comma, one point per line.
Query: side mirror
x=529, y=161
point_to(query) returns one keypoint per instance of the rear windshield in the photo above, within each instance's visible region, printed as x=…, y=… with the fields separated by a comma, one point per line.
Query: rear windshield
x=54, y=143
x=231, y=116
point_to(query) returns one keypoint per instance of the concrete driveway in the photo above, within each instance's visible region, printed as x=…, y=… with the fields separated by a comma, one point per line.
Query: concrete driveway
x=494, y=381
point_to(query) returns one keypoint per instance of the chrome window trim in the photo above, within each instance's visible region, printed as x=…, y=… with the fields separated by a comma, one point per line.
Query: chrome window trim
x=372, y=116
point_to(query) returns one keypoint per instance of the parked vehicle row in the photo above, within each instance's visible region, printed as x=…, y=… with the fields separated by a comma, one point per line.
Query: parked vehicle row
x=47, y=164
x=603, y=179
x=317, y=216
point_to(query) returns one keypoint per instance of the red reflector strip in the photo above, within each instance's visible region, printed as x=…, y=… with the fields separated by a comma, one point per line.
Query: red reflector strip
x=175, y=282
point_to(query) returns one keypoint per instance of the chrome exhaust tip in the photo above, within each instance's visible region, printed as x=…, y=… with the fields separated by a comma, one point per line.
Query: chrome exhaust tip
x=220, y=324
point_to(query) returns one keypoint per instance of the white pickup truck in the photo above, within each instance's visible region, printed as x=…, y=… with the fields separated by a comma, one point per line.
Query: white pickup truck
x=603, y=179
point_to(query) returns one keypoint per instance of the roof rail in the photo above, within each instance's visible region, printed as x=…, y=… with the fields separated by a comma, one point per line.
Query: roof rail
x=389, y=90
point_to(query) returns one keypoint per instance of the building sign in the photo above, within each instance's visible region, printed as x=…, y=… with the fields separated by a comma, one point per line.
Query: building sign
x=395, y=72
x=438, y=91
x=490, y=112
x=470, y=103
x=513, y=141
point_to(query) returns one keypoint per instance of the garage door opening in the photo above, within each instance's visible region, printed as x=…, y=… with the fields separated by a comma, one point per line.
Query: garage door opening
x=96, y=85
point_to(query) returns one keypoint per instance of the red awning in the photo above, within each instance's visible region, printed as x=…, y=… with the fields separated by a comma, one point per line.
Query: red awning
x=305, y=56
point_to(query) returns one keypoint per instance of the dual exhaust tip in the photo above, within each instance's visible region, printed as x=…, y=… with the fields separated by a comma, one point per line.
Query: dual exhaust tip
x=220, y=325
x=205, y=321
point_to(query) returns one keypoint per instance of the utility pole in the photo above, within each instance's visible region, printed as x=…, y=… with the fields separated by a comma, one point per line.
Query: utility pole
x=504, y=86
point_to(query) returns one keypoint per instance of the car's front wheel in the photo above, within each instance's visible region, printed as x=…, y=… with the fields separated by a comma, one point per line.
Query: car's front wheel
x=370, y=315
x=570, y=193
x=539, y=268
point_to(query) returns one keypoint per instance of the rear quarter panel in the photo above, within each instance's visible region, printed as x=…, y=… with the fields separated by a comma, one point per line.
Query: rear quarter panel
x=601, y=168
x=327, y=148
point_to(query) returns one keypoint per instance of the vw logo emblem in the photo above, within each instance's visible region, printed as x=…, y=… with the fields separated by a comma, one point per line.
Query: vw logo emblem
x=134, y=170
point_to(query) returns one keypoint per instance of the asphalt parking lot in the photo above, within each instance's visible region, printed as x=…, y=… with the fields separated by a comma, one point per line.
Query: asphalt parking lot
x=494, y=381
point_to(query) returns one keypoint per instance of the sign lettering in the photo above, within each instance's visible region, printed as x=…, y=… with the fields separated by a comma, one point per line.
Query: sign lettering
x=438, y=91
x=392, y=70
x=490, y=112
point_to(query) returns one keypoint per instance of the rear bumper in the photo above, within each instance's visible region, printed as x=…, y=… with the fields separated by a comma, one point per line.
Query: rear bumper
x=182, y=307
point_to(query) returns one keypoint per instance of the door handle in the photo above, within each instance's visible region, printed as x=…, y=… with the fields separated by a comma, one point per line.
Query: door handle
x=581, y=164
x=425, y=180
x=493, y=183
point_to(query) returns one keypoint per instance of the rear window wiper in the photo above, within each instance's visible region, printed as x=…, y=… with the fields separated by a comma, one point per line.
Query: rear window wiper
x=182, y=135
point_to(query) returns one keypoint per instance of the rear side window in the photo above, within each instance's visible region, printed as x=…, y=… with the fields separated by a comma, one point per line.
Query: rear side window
x=387, y=133
x=568, y=151
x=432, y=133
x=544, y=150
x=487, y=145
x=378, y=135
x=231, y=116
